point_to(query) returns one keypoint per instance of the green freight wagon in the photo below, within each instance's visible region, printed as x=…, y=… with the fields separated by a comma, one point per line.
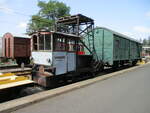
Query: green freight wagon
x=114, y=49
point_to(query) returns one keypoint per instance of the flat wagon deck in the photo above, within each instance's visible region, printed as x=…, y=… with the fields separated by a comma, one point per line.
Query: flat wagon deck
x=9, y=80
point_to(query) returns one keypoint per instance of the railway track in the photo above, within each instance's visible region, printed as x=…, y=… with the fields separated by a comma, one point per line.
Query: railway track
x=24, y=75
x=15, y=70
x=8, y=67
x=15, y=66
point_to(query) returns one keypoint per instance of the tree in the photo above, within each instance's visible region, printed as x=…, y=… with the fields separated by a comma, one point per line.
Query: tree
x=140, y=40
x=49, y=12
x=149, y=40
x=144, y=42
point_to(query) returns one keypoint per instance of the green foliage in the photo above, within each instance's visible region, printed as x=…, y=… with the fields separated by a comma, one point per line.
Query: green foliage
x=49, y=12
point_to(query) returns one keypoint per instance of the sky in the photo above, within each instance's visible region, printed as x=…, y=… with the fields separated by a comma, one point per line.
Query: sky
x=129, y=17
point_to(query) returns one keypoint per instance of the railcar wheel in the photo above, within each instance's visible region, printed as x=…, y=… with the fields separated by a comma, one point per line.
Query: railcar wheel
x=134, y=63
x=122, y=63
x=26, y=61
x=18, y=61
x=115, y=65
x=101, y=68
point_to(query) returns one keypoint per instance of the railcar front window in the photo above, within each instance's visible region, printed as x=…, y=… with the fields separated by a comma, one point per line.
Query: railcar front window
x=41, y=42
x=47, y=42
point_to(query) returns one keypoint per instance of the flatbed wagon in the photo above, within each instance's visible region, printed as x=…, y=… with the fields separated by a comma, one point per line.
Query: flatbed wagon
x=10, y=80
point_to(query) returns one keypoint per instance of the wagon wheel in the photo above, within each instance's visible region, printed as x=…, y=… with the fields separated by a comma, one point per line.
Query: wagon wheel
x=18, y=62
x=134, y=63
x=115, y=65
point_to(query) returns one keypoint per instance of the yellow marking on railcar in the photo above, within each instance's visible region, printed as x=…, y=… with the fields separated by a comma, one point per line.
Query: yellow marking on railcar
x=6, y=78
x=6, y=74
x=22, y=73
x=11, y=80
x=141, y=62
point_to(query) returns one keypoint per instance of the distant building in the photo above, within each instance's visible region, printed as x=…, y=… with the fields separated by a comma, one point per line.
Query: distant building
x=0, y=46
x=146, y=50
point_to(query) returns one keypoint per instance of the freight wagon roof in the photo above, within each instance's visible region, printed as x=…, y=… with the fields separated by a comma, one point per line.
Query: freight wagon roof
x=119, y=34
x=20, y=37
x=15, y=35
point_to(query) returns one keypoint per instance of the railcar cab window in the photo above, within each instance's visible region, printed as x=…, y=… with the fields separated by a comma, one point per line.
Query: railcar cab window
x=71, y=45
x=80, y=47
x=47, y=42
x=64, y=43
x=59, y=43
x=55, y=42
x=42, y=42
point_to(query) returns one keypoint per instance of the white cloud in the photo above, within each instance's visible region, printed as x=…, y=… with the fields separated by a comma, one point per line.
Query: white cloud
x=6, y=10
x=22, y=25
x=142, y=29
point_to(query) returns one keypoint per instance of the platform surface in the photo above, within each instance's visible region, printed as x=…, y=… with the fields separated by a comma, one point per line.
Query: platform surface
x=127, y=93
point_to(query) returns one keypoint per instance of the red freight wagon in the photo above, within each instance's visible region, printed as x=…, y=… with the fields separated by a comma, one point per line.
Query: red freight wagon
x=18, y=48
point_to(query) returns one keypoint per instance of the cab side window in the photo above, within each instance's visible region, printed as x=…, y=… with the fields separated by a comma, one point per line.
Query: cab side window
x=59, y=44
x=71, y=45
